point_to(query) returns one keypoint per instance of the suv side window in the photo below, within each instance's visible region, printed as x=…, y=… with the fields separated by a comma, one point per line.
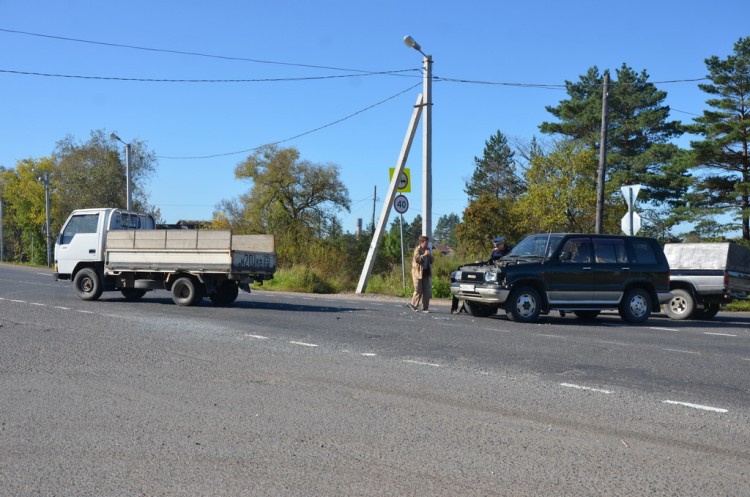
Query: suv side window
x=644, y=252
x=576, y=250
x=610, y=251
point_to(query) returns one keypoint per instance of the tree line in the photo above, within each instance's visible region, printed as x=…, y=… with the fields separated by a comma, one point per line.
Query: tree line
x=517, y=187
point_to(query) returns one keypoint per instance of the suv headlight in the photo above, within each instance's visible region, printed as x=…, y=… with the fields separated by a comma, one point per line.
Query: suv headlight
x=455, y=275
x=490, y=277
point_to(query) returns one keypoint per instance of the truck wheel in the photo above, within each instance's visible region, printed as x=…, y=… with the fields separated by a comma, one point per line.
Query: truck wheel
x=681, y=305
x=707, y=312
x=184, y=292
x=132, y=294
x=636, y=306
x=88, y=285
x=225, y=294
x=524, y=305
x=481, y=310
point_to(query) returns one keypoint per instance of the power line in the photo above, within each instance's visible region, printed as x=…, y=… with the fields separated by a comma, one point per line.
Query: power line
x=179, y=52
x=299, y=135
x=155, y=80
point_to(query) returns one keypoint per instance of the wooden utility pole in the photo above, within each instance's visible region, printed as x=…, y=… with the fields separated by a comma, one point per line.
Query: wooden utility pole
x=602, y=158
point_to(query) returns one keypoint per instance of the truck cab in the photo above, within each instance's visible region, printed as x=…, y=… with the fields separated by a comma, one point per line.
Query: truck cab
x=82, y=239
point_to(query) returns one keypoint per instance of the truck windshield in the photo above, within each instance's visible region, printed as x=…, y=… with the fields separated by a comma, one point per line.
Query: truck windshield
x=534, y=246
x=84, y=223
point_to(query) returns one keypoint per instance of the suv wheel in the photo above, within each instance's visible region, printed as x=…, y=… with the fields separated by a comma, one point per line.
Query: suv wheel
x=523, y=305
x=636, y=306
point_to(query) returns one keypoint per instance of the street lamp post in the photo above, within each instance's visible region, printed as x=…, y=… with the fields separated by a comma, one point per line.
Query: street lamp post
x=128, y=198
x=426, y=138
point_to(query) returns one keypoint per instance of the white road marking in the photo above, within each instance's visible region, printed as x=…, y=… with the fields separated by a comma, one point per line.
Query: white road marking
x=663, y=329
x=259, y=337
x=719, y=334
x=37, y=303
x=696, y=406
x=19, y=301
x=683, y=351
x=63, y=308
x=303, y=344
x=369, y=354
x=423, y=363
x=580, y=387
x=85, y=312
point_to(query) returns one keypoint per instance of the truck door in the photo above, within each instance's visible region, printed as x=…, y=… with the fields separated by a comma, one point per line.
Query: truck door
x=79, y=241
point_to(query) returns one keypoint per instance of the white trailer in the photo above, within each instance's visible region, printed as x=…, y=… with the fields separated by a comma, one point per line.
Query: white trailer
x=108, y=249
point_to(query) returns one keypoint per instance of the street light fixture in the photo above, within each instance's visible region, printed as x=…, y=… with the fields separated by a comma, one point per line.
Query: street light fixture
x=128, y=196
x=426, y=138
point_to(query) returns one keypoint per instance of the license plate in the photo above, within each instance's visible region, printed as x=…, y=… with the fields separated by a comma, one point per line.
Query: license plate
x=467, y=288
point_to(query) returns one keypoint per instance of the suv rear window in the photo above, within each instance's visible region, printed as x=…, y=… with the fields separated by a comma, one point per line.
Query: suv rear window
x=644, y=252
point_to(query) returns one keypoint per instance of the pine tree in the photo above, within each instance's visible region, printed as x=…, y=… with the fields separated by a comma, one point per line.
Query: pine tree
x=726, y=131
x=495, y=172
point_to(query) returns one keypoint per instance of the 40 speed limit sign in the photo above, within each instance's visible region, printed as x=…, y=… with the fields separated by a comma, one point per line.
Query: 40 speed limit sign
x=401, y=204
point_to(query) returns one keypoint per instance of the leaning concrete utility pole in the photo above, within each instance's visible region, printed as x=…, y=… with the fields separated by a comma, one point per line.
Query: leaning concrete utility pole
x=390, y=196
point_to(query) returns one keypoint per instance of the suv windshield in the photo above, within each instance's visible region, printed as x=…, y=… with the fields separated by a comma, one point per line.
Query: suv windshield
x=534, y=246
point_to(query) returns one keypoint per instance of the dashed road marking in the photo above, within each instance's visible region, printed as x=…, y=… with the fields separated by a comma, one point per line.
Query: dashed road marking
x=61, y=307
x=581, y=387
x=368, y=354
x=718, y=334
x=683, y=351
x=420, y=363
x=302, y=343
x=662, y=329
x=19, y=301
x=696, y=406
x=259, y=337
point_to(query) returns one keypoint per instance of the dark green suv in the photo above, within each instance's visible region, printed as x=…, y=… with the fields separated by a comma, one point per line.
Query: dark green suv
x=584, y=274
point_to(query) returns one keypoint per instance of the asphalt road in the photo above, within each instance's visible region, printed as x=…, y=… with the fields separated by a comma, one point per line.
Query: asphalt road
x=297, y=395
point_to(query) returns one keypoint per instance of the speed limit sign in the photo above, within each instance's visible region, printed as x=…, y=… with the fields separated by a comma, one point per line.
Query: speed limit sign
x=401, y=204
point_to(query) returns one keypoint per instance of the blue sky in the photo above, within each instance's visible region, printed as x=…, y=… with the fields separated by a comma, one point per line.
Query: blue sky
x=534, y=42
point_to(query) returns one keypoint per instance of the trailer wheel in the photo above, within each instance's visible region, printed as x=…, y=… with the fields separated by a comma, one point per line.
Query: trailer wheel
x=184, y=292
x=132, y=294
x=88, y=285
x=225, y=294
x=681, y=305
x=707, y=312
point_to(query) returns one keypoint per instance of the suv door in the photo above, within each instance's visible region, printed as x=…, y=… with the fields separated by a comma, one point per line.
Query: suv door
x=571, y=280
x=611, y=269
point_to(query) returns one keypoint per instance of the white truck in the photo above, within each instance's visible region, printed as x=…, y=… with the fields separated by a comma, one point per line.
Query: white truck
x=107, y=249
x=704, y=277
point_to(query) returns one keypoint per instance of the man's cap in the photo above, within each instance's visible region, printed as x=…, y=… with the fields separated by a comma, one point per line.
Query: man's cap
x=499, y=239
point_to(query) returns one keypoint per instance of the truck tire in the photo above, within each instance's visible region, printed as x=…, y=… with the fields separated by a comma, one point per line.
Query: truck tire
x=635, y=306
x=225, y=294
x=479, y=310
x=681, y=306
x=87, y=283
x=132, y=294
x=707, y=312
x=185, y=292
x=524, y=305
